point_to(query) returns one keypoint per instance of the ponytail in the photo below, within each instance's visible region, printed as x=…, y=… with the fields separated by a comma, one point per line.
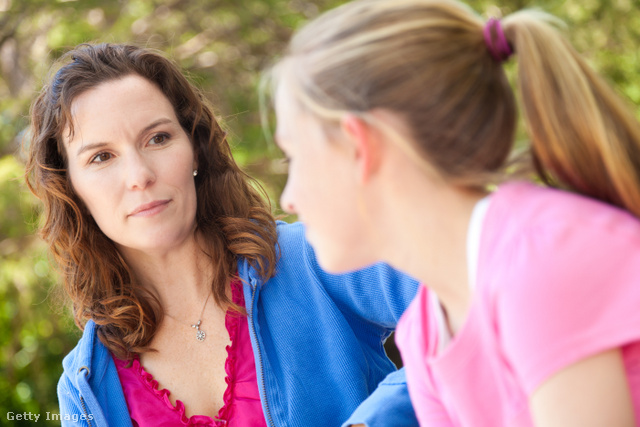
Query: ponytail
x=584, y=138
x=436, y=64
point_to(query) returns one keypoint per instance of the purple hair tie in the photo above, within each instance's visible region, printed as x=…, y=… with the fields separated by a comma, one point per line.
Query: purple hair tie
x=498, y=46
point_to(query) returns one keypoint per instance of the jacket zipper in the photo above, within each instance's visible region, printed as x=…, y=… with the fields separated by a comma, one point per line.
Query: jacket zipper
x=255, y=337
x=84, y=408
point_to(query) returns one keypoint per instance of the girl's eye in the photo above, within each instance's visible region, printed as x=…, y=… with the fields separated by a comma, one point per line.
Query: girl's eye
x=101, y=157
x=159, y=139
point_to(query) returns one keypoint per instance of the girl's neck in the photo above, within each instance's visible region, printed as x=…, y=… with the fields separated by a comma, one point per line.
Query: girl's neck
x=425, y=230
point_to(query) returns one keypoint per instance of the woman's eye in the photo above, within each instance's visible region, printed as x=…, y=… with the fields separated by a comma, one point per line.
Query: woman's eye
x=101, y=157
x=159, y=139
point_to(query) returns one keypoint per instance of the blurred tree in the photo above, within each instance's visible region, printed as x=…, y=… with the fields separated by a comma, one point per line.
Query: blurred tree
x=223, y=45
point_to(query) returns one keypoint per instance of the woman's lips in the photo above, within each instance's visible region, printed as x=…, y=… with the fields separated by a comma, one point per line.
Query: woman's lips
x=149, y=209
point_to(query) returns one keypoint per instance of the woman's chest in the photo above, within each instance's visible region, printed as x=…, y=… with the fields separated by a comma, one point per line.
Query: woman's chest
x=192, y=370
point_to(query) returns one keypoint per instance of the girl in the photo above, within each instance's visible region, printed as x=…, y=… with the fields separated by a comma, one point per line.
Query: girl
x=164, y=245
x=530, y=310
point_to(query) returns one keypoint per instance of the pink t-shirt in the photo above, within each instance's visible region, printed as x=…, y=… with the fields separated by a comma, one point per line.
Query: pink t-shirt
x=558, y=280
x=150, y=407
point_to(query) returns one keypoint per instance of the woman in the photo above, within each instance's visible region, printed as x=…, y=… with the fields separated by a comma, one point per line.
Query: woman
x=530, y=312
x=163, y=244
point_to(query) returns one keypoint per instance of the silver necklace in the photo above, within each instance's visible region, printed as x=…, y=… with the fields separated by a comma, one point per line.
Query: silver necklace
x=200, y=334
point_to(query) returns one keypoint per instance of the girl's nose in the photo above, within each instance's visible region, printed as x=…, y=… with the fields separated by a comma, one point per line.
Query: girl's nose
x=286, y=201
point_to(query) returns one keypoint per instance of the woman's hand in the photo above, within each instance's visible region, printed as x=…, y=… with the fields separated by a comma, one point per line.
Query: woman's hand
x=591, y=392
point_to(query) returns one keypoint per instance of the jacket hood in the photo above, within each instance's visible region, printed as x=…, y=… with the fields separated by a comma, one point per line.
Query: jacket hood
x=89, y=358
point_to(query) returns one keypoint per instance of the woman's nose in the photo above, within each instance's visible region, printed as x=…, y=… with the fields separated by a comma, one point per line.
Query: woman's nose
x=140, y=172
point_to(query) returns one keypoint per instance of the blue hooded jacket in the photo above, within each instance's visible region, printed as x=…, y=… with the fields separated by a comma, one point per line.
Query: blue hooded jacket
x=317, y=341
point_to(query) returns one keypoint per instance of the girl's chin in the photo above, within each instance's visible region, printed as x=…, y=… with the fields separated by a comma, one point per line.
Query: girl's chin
x=335, y=261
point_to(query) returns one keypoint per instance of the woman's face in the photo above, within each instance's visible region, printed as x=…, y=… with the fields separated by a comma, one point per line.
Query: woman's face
x=322, y=186
x=131, y=163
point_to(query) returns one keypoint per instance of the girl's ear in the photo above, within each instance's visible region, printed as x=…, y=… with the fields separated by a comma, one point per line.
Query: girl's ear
x=365, y=143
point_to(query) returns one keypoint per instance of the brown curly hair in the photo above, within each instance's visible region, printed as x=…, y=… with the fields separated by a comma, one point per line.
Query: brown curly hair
x=232, y=216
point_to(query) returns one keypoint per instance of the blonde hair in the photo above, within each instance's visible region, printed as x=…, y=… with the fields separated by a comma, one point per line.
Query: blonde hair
x=427, y=61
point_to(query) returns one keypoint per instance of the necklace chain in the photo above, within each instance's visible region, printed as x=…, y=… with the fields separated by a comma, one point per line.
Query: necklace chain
x=200, y=334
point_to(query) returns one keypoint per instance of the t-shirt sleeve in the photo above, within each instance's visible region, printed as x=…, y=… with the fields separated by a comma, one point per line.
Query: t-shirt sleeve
x=572, y=291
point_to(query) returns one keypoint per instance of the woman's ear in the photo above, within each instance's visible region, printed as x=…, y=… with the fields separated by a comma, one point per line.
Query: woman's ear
x=365, y=143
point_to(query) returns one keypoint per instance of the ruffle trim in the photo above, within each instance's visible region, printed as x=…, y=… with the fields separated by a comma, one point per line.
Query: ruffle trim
x=194, y=421
x=231, y=323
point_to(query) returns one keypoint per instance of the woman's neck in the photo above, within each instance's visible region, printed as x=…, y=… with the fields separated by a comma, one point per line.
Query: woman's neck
x=180, y=277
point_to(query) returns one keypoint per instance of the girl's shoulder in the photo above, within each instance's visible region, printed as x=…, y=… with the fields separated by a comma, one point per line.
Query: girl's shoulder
x=553, y=217
x=560, y=272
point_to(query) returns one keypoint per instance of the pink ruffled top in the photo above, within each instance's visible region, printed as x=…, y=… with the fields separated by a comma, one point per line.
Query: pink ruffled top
x=149, y=406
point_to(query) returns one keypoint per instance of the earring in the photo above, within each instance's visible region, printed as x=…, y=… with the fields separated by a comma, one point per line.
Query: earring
x=195, y=172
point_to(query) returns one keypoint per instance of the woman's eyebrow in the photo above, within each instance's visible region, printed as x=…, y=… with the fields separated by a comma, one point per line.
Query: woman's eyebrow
x=146, y=129
x=88, y=147
x=162, y=121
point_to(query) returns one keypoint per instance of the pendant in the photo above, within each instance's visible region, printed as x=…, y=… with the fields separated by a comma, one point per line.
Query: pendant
x=200, y=335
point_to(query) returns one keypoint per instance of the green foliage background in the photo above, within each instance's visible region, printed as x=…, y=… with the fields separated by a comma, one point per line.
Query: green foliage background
x=223, y=45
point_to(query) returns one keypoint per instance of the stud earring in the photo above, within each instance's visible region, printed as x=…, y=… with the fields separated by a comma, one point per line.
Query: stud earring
x=195, y=172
